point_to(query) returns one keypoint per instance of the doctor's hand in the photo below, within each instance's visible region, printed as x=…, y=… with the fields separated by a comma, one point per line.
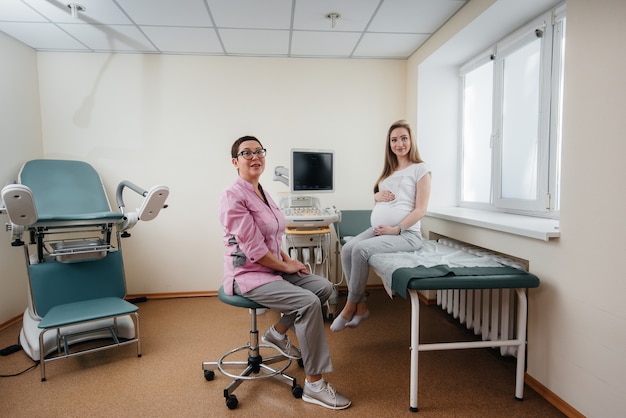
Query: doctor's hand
x=384, y=196
x=296, y=266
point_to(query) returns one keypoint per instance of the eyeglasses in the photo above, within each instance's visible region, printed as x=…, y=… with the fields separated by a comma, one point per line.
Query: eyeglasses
x=248, y=155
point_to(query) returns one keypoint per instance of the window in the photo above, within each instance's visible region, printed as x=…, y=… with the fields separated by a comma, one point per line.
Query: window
x=511, y=121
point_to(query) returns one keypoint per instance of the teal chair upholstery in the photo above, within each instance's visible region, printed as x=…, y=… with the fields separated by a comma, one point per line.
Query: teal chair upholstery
x=352, y=223
x=67, y=190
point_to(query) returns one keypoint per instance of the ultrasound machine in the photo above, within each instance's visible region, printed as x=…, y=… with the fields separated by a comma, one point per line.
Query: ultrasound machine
x=308, y=233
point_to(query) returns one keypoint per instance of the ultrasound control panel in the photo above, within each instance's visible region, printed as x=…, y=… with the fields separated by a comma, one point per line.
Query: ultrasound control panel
x=305, y=212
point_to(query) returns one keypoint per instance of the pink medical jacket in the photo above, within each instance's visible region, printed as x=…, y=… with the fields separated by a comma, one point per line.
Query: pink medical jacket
x=251, y=230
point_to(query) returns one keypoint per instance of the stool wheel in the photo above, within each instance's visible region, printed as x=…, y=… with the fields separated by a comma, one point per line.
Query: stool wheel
x=209, y=375
x=297, y=391
x=232, y=402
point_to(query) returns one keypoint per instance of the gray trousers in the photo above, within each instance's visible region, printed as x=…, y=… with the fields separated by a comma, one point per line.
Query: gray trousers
x=356, y=252
x=300, y=301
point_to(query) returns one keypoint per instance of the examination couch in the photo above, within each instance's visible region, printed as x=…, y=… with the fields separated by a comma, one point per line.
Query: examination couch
x=440, y=266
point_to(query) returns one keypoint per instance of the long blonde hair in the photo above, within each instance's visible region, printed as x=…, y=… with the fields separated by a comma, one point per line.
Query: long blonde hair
x=391, y=160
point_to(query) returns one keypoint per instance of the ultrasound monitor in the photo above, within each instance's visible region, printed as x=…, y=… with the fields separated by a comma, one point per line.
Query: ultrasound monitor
x=312, y=171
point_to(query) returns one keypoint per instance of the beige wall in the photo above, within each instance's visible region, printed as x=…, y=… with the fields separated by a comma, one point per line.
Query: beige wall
x=171, y=119
x=577, y=317
x=20, y=141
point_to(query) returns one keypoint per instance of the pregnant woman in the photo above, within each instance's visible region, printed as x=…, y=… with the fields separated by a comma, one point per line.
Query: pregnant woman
x=401, y=197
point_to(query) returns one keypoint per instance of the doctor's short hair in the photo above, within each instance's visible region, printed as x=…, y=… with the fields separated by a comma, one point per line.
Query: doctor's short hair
x=234, y=150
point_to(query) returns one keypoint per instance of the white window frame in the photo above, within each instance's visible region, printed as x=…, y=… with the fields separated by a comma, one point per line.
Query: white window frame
x=549, y=27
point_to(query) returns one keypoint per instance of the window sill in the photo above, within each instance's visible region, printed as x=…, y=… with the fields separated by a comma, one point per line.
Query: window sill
x=527, y=226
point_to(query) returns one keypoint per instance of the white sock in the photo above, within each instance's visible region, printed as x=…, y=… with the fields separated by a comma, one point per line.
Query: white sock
x=339, y=324
x=356, y=320
x=315, y=386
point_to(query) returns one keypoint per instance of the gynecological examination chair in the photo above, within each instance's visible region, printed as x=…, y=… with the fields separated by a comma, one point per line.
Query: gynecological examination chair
x=60, y=215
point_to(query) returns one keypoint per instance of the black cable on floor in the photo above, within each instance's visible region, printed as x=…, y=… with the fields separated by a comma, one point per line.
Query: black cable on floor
x=14, y=349
x=22, y=372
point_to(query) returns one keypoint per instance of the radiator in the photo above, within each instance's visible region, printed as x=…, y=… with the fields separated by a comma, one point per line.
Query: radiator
x=489, y=313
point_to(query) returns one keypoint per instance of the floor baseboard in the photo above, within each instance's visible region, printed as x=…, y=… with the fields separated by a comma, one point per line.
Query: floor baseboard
x=551, y=397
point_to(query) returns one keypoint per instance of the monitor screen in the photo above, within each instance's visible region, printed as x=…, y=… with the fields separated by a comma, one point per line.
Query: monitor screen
x=312, y=171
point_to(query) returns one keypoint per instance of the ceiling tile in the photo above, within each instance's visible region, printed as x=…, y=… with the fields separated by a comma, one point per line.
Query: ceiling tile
x=251, y=14
x=96, y=11
x=255, y=41
x=388, y=45
x=413, y=16
x=355, y=14
x=285, y=28
x=167, y=12
x=110, y=37
x=43, y=36
x=16, y=11
x=184, y=40
x=315, y=44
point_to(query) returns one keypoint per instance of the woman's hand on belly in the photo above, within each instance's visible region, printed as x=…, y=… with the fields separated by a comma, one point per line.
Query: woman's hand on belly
x=384, y=196
x=386, y=230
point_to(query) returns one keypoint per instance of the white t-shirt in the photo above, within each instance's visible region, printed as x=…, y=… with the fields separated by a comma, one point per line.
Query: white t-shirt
x=402, y=184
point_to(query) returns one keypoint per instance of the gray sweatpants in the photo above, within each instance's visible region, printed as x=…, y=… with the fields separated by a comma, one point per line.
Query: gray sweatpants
x=356, y=252
x=300, y=301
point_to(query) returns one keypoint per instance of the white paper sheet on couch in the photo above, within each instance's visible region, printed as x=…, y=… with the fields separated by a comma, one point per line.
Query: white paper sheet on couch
x=430, y=254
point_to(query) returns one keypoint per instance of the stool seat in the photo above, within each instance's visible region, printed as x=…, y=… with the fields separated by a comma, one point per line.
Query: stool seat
x=237, y=300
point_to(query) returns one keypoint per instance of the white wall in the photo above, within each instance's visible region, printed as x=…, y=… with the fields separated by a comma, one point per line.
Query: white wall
x=577, y=317
x=172, y=119
x=20, y=141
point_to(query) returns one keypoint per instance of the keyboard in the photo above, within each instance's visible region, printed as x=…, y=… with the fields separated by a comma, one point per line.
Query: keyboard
x=310, y=217
x=295, y=212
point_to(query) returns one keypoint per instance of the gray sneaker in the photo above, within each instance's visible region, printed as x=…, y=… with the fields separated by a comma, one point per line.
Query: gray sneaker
x=284, y=345
x=327, y=397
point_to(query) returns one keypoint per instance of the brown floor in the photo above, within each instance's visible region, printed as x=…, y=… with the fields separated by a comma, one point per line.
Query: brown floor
x=371, y=368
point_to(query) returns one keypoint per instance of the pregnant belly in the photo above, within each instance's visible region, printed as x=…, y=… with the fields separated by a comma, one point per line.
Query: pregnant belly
x=386, y=215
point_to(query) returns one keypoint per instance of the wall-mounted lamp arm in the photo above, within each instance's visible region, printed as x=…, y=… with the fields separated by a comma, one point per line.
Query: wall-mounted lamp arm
x=281, y=174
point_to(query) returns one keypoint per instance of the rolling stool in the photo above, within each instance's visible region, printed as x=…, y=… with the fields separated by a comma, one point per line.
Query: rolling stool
x=256, y=364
